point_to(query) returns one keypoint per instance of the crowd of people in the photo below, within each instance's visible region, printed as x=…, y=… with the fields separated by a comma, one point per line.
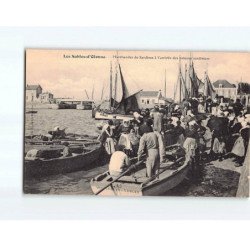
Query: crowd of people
x=205, y=128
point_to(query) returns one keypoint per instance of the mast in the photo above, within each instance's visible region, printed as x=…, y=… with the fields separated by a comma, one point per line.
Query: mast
x=86, y=93
x=180, y=79
x=110, y=87
x=188, y=80
x=185, y=74
x=178, y=88
x=92, y=94
x=102, y=91
x=32, y=122
x=115, y=86
x=165, y=86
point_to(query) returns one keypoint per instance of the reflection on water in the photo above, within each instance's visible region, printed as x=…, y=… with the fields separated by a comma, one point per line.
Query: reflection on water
x=76, y=121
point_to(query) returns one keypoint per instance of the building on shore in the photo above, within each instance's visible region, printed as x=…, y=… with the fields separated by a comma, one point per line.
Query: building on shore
x=225, y=89
x=46, y=97
x=33, y=93
x=148, y=99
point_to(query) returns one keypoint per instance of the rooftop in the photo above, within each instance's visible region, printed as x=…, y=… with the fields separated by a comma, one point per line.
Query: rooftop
x=224, y=84
x=167, y=99
x=149, y=93
x=33, y=87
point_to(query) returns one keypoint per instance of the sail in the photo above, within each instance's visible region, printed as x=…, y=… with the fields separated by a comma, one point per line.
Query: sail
x=120, y=101
x=201, y=86
x=208, y=87
x=127, y=102
x=131, y=102
x=180, y=89
x=194, y=85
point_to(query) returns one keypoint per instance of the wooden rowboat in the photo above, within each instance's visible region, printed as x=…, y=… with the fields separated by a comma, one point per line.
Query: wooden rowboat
x=109, y=116
x=171, y=173
x=51, y=162
x=71, y=138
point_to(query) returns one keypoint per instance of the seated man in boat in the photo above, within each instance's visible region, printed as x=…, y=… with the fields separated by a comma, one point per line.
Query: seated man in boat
x=46, y=137
x=32, y=154
x=57, y=133
x=119, y=161
x=66, y=150
x=152, y=142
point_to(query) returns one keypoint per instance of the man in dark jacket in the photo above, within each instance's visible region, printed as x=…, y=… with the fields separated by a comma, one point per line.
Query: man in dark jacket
x=218, y=125
x=238, y=107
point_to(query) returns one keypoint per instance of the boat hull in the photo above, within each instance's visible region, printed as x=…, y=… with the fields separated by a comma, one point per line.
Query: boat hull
x=62, y=106
x=39, y=167
x=116, y=189
x=84, y=107
x=162, y=186
x=105, y=116
x=156, y=187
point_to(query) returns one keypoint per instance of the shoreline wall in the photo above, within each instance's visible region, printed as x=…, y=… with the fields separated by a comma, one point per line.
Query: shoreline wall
x=37, y=105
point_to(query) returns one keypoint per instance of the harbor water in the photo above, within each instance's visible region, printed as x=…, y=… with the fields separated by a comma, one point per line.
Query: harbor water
x=75, y=121
x=219, y=178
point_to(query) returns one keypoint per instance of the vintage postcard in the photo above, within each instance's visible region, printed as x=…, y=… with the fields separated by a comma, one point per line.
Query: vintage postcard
x=136, y=123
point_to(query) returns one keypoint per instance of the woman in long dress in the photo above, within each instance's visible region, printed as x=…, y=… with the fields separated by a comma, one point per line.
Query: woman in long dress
x=107, y=138
x=241, y=144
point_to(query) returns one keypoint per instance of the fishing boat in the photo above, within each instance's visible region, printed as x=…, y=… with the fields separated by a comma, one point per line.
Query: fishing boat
x=102, y=115
x=70, y=137
x=31, y=112
x=63, y=105
x=48, y=160
x=171, y=173
x=84, y=105
x=121, y=102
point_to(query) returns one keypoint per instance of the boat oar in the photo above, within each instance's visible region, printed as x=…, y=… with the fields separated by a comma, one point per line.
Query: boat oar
x=118, y=177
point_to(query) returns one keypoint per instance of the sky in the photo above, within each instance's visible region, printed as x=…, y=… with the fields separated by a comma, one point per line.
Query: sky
x=68, y=73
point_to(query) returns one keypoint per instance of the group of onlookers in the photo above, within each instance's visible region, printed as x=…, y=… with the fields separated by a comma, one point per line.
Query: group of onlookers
x=201, y=126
